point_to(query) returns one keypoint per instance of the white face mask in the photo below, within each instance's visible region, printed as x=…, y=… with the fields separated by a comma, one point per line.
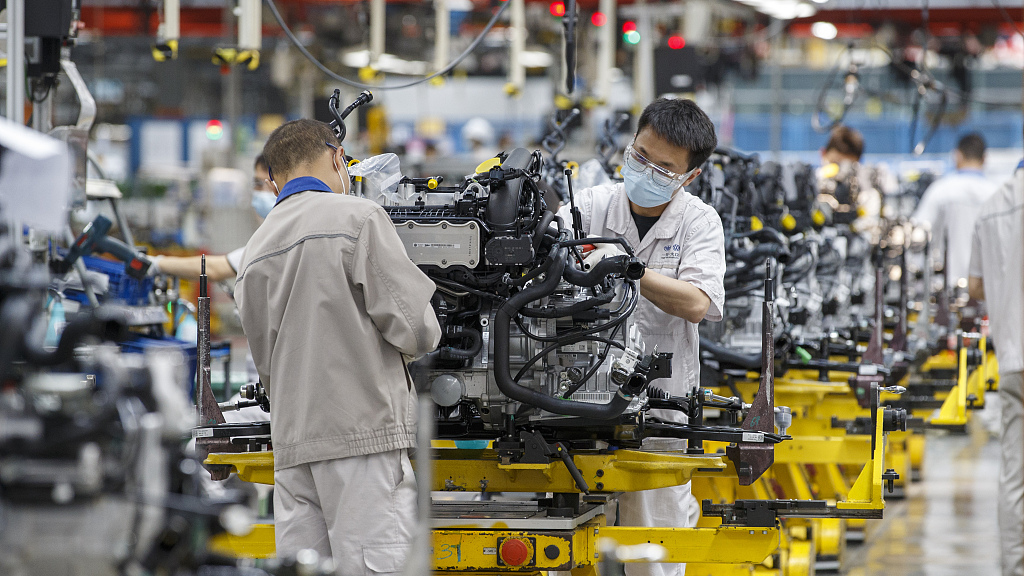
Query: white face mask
x=262, y=202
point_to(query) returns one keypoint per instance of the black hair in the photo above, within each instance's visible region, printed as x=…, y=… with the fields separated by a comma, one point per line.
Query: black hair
x=295, y=143
x=260, y=162
x=846, y=141
x=683, y=124
x=972, y=147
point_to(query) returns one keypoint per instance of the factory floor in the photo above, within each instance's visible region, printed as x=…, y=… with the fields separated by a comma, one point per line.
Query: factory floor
x=946, y=525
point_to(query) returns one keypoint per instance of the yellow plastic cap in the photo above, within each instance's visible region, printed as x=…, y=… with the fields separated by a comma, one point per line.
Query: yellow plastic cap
x=486, y=165
x=788, y=222
x=756, y=224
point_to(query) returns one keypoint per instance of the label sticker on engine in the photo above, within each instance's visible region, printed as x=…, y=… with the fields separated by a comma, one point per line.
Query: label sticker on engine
x=435, y=245
x=753, y=436
x=202, y=432
x=577, y=348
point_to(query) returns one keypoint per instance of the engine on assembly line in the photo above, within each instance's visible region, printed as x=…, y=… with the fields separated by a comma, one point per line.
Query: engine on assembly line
x=526, y=330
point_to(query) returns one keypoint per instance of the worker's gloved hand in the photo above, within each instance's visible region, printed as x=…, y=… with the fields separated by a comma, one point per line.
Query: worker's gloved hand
x=154, y=266
x=601, y=252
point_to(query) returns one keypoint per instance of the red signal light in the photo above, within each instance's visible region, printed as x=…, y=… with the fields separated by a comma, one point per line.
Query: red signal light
x=629, y=26
x=598, y=19
x=676, y=42
x=557, y=9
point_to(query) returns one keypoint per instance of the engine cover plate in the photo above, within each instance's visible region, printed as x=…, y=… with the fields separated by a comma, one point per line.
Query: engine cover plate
x=441, y=243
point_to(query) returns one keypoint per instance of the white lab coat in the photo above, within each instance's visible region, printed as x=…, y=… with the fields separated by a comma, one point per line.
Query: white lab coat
x=950, y=207
x=687, y=243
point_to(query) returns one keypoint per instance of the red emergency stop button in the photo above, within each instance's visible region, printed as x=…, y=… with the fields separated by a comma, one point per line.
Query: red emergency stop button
x=515, y=552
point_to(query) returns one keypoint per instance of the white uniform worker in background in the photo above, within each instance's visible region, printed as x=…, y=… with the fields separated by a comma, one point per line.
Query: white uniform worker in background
x=220, y=267
x=997, y=277
x=950, y=206
x=681, y=240
x=330, y=302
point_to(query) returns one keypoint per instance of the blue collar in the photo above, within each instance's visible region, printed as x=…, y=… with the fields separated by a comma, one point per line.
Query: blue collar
x=971, y=172
x=302, y=184
x=1020, y=165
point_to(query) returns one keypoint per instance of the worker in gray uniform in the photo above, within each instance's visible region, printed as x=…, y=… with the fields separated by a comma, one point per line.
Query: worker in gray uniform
x=997, y=277
x=681, y=240
x=331, y=305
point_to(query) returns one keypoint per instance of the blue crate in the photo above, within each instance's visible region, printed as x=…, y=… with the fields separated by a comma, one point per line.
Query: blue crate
x=123, y=288
x=139, y=344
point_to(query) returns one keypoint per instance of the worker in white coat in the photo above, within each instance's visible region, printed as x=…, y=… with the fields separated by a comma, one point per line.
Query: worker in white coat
x=330, y=302
x=681, y=240
x=950, y=206
x=996, y=275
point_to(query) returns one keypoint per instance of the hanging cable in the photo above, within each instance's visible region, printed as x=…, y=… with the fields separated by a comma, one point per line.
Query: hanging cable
x=331, y=74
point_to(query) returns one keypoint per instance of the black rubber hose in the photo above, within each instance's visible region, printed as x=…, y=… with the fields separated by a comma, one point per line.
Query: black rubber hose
x=476, y=342
x=629, y=266
x=542, y=227
x=571, y=309
x=729, y=357
x=500, y=332
x=760, y=252
x=101, y=323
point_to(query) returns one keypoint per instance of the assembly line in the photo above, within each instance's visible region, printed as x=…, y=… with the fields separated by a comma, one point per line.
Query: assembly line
x=561, y=324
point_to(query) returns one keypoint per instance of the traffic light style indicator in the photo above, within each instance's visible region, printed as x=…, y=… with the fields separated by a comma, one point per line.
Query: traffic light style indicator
x=557, y=9
x=676, y=42
x=214, y=129
x=598, y=19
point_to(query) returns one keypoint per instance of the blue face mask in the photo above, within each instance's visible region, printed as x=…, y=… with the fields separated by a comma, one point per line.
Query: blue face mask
x=643, y=192
x=262, y=202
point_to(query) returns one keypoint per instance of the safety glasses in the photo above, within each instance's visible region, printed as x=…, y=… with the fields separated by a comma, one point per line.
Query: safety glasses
x=659, y=175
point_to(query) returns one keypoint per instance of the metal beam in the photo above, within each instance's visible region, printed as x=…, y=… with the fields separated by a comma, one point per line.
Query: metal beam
x=16, y=61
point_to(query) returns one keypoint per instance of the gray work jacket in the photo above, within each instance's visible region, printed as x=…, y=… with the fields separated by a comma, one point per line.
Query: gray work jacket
x=330, y=302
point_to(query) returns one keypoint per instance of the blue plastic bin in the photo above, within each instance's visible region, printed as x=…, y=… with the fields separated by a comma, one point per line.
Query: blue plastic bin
x=139, y=344
x=123, y=288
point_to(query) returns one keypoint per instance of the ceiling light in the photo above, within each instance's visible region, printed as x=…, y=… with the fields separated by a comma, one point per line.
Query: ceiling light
x=824, y=30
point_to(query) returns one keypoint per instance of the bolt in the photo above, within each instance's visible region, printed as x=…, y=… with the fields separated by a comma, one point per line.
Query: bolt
x=600, y=473
x=599, y=486
x=472, y=226
x=411, y=224
x=443, y=261
x=444, y=225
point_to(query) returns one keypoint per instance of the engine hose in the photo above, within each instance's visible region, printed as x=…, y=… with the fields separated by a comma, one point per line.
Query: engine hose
x=474, y=348
x=101, y=323
x=571, y=309
x=760, y=252
x=542, y=227
x=500, y=333
x=629, y=266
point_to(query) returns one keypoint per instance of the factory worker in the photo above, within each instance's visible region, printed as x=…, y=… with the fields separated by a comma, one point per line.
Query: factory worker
x=996, y=274
x=681, y=240
x=330, y=303
x=950, y=206
x=849, y=185
x=220, y=267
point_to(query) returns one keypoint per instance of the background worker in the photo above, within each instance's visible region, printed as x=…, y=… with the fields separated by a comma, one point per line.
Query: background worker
x=950, y=206
x=681, y=240
x=220, y=267
x=860, y=187
x=330, y=302
x=997, y=277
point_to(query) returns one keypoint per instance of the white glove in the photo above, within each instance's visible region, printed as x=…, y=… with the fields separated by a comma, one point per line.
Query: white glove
x=154, y=266
x=601, y=252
